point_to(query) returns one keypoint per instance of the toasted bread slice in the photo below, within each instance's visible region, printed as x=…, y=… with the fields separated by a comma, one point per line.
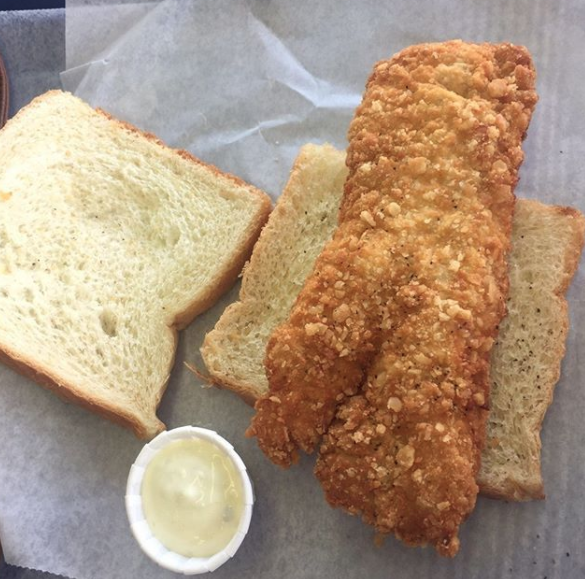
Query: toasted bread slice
x=109, y=243
x=547, y=243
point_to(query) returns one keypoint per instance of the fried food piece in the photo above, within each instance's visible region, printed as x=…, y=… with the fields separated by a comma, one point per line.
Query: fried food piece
x=434, y=151
x=437, y=138
x=320, y=355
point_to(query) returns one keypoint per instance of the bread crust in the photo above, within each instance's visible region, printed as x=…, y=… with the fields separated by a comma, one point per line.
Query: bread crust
x=145, y=428
x=244, y=390
x=4, y=99
x=70, y=392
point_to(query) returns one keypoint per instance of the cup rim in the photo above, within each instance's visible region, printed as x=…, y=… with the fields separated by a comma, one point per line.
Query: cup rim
x=150, y=544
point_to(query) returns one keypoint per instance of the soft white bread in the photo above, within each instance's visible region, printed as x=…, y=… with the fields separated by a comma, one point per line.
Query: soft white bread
x=526, y=359
x=546, y=246
x=110, y=242
x=302, y=221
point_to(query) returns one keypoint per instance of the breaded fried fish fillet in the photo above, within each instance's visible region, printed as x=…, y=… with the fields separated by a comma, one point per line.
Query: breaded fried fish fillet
x=392, y=332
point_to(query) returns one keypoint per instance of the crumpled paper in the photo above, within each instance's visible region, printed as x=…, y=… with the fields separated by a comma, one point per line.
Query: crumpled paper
x=242, y=84
x=217, y=78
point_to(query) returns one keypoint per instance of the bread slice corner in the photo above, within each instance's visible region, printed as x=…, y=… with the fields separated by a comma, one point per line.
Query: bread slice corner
x=110, y=242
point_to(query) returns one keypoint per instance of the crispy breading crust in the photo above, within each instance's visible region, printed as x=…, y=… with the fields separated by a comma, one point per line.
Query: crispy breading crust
x=438, y=135
x=408, y=294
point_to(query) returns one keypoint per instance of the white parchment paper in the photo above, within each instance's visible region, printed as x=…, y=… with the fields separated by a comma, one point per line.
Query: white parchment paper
x=242, y=84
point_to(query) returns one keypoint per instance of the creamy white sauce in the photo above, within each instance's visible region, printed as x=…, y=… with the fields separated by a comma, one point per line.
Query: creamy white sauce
x=192, y=497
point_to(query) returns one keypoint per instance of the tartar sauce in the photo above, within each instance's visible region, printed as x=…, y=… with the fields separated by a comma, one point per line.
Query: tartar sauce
x=192, y=497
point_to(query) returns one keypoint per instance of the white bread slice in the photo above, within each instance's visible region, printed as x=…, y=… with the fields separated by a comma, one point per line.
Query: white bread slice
x=547, y=243
x=526, y=359
x=302, y=221
x=110, y=242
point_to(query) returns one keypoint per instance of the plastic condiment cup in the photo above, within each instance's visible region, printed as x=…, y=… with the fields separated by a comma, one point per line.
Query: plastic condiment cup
x=140, y=528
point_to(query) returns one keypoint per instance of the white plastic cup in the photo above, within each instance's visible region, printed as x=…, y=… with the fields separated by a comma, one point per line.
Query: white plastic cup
x=139, y=526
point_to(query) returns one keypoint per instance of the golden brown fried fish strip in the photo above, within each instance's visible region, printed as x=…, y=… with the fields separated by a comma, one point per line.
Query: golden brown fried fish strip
x=437, y=99
x=320, y=355
x=438, y=136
